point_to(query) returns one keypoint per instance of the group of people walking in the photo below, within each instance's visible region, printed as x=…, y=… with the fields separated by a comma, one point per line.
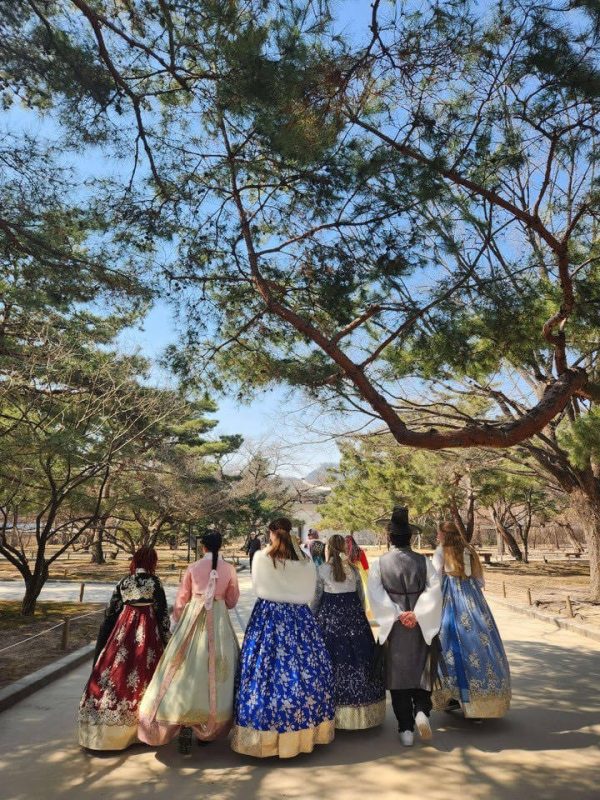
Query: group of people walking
x=309, y=663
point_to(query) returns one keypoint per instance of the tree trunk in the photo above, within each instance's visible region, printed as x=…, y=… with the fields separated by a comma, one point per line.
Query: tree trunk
x=586, y=504
x=500, y=546
x=33, y=586
x=458, y=521
x=570, y=534
x=470, y=526
x=523, y=531
x=97, y=547
x=508, y=538
x=466, y=526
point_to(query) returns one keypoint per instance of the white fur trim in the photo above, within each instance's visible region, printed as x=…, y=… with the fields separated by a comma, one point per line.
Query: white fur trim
x=289, y=582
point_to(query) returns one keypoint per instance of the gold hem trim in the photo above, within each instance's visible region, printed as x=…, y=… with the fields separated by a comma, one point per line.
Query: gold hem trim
x=359, y=718
x=483, y=707
x=107, y=737
x=263, y=744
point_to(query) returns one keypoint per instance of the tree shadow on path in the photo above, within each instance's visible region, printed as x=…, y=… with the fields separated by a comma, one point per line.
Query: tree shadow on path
x=547, y=747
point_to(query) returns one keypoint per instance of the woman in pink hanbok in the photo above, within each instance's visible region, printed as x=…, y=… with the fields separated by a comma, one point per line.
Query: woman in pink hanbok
x=193, y=683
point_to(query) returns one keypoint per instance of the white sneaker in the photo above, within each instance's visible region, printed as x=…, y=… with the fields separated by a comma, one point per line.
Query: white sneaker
x=407, y=738
x=423, y=726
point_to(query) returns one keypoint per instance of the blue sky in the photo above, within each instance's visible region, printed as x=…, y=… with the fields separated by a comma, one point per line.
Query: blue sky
x=278, y=415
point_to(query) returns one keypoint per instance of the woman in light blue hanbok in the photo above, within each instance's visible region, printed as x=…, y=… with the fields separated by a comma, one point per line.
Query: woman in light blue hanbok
x=473, y=671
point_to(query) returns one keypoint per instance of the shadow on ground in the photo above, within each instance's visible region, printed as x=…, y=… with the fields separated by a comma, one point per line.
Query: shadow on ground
x=547, y=748
x=529, y=754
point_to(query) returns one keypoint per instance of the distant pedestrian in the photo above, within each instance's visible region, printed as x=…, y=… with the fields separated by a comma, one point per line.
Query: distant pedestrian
x=254, y=545
x=473, y=671
x=130, y=644
x=317, y=552
x=311, y=537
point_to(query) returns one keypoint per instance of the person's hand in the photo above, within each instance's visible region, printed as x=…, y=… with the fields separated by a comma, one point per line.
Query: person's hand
x=408, y=619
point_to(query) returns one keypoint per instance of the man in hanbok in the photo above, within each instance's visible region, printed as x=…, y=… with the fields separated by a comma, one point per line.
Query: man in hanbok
x=406, y=600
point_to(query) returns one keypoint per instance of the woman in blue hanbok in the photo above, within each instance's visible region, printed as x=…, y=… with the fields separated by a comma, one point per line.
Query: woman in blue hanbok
x=284, y=700
x=339, y=608
x=473, y=671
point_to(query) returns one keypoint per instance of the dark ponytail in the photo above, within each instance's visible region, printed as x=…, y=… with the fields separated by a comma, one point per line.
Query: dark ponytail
x=212, y=541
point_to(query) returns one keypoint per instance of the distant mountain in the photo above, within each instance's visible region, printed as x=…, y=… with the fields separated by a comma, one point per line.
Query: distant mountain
x=319, y=475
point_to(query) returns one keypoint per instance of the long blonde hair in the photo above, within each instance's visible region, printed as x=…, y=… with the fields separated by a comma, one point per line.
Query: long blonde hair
x=336, y=546
x=454, y=545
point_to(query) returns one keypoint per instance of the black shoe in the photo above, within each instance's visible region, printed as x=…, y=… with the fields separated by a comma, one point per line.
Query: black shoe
x=184, y=743
x=453, y=705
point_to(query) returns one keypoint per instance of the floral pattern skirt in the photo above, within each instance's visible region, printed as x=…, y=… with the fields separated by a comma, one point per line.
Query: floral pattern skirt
x=284, y=700
x=473, y=667
x=109, y=708
x=359, y=697
x=193, y=684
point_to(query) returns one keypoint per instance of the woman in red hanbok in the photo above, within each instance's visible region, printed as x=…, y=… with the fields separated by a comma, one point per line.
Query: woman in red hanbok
x=130, y=644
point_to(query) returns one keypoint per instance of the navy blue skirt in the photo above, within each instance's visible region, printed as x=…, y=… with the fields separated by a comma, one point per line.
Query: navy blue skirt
x=359, y=696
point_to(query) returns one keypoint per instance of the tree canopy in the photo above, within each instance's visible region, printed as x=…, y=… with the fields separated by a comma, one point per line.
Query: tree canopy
x=375, y=474
x=389, y=220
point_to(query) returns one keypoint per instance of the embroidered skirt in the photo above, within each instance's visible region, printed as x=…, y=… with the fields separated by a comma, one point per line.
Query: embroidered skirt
x=284, y=700
x=473, y=667
x=194, y=682
x=359, y=697
x=108, y=712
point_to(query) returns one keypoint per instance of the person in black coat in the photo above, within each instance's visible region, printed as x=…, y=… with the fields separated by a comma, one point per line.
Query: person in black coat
x=254, y=545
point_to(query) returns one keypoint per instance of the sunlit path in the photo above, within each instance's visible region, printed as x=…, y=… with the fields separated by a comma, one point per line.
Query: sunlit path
x=546, y=748
x=68, y=591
